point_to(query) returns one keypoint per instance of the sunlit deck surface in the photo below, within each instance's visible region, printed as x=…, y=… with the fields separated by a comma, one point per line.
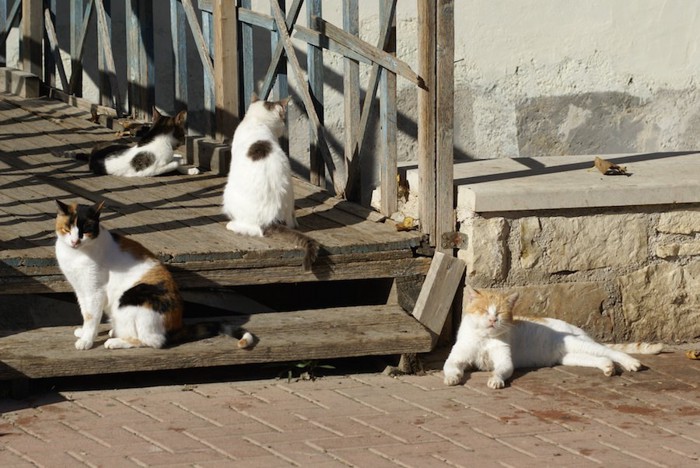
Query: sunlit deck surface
x=176, y=216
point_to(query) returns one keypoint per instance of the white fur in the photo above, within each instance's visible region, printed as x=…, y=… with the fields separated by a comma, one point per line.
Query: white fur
x=488, y=343
x=259, y=193
x=99, y=272
x=165, y=160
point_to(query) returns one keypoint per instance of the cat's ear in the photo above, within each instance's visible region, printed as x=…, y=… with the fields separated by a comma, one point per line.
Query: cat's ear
x=254, y=97
x=156, y=115
x=97, y=208
x=180, y=118
x=513, y=298
x=284, y=102
x=472, y=293
x=62, y=208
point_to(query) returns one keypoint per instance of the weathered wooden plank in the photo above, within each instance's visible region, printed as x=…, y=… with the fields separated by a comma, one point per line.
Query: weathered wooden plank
x=438, y=291
x=106, y=48
x=314, y=67
x=32, y=36
x=374, y=54
x=202, y=47
x=208, y=126
x=306, y=97
x=247, y=61
x=288, y=336
x=178, y=37
x=11, y=20
x=77, y=21
x=351, y=105
x=53, y=41
x=281, y=88
x=387, y=121
x=226, y=74
x=444, y=118
x=277, y=70
x=426, y=118
x=139, y=39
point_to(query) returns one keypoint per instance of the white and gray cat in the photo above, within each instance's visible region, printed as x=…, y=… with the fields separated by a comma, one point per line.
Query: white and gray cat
x=118, y=276
x=491, y=339
x=153, y=155
x=259, y=195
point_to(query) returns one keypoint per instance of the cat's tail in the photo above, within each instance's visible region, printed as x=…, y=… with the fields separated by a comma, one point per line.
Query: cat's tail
x=202, y=330
x=637, y=348
x=77, y=155
x=299, y=239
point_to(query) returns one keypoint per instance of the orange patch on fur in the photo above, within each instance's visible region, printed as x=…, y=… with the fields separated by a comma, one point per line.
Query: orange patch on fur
x=133, y=341
x=485, y=299
x=63, y=223
x=172, y=319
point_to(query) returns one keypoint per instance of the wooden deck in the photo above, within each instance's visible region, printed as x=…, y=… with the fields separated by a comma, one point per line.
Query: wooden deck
x=177, y=217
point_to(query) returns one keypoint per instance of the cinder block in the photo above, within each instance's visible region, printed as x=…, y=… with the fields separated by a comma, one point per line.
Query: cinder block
x=209, y=155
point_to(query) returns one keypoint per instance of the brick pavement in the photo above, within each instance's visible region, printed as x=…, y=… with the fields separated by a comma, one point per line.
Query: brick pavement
x=548, y=417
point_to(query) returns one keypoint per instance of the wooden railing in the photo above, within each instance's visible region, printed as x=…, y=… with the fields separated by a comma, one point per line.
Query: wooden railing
x=222, y=34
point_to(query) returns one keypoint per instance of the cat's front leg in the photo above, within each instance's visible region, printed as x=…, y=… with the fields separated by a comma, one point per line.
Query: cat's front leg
x=502, y=367
x=91, y=310
x=454, y=367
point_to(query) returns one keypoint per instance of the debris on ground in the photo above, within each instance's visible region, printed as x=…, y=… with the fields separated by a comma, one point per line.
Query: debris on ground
x=609, y=168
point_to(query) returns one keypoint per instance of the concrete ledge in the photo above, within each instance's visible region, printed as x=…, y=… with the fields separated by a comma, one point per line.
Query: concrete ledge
x=209, y=155
x=501, y=185
x=20, y=83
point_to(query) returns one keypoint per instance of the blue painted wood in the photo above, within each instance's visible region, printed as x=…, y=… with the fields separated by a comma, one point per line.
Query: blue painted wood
x=276, y=60
x=12, y=19
x=314, y=66
x=281, y=88
x=3, y=19
x=209, y=97
x=248, y=70
x=77, y=56
x=178, y=36
x=387, y=119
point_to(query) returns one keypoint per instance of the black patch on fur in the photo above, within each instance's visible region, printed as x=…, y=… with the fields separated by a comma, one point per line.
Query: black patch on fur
x=163, y=126
x=143, y=160
x=103, y=151
x=87, y=220
x=259, y=150
x=155, y=296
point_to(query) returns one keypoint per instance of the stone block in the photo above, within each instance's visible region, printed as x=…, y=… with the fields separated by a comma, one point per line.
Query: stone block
x=487, y=252
x=661, y=302
x=592, y=242
x=530, y=251
x=683, y=249
x=680, y=222
x=580, y=304
x=209, y=155
x=20, y=83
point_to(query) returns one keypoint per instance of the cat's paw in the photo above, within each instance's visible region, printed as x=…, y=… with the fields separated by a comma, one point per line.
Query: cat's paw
x=78, y=332
x=496, y=382
x=631, y=365
x=116, y=343
x=608, y=369
x=452, y=379
x=193, y=171
x=83, y=344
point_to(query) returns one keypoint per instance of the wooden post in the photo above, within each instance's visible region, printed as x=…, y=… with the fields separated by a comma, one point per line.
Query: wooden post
x=139, y=20
x=179, y=43
x=226, y=83
x=444, y=117
x=3, y=26
x=314, y=65
x=435, y=120
x=351, y=92
x=387, y=118
x=426, y=117
x=32, y=36
x=76, y=46
x=247, y=62
x=209, y=91
x=281, y=88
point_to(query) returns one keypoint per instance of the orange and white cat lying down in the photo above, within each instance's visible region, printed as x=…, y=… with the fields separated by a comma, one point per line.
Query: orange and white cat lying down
x=491, y=339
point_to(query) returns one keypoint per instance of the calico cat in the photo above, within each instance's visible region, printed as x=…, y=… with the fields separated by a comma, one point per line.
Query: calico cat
x=119, y=276
x=259, y=195
x=490, y=338
x=151, y=156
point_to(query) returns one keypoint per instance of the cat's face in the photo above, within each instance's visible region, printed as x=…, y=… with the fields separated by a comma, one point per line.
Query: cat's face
x=164, y=125
x=78, y=225
x=490, y=311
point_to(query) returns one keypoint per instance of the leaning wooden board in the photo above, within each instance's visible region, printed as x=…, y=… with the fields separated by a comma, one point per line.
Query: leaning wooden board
x=282, y=337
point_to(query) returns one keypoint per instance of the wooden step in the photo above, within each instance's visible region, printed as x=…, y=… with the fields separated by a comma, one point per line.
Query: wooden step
x=283, y=336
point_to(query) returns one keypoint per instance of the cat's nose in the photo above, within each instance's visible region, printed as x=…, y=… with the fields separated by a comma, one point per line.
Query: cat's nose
x=74, y=242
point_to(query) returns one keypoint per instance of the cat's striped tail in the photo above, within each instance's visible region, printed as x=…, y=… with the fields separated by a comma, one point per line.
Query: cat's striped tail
x=299, y=239
x=77, y=155
x=637, y=348
x=202, y=330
